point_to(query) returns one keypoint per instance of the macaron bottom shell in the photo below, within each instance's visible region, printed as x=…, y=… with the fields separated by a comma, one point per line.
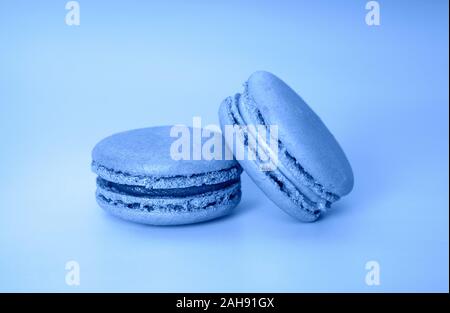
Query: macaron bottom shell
x=170, y=210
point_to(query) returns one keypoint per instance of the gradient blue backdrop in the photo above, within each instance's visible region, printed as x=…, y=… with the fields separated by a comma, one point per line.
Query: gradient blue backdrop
x=383, y=91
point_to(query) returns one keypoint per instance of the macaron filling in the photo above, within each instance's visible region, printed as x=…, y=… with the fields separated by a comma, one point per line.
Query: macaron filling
x=167, y=193
x=200, y=202
x=139, y=191
x=308, y=193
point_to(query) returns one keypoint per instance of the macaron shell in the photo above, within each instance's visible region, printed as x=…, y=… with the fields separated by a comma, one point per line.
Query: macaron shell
x=301, y=131
x=147, y=152
x=170, y=211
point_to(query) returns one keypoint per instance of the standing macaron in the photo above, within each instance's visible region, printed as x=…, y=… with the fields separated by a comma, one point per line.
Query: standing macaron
x=140, y=180
x=311, y=169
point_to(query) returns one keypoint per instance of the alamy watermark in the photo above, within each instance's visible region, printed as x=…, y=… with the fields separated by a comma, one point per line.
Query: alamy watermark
x=73, y=13
x=373, y=14
x=242, y=142
x=72, y=273
x=373, y=273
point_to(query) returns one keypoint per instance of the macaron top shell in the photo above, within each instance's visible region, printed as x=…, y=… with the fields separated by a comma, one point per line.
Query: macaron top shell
x=146, y=152
x=306, y=139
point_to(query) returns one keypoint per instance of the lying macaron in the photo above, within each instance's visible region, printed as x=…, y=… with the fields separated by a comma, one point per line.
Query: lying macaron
x=140, y=180
x=311, y=170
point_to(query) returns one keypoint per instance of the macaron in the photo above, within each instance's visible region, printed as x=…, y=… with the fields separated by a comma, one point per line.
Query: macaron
x=140, y=180
x=311, y=171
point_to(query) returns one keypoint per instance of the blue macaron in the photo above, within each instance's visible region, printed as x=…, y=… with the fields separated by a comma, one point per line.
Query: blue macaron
x=311, y=170
x=139, y=179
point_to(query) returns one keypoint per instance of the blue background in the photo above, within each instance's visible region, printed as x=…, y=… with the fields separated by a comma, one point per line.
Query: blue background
x=383, y=91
